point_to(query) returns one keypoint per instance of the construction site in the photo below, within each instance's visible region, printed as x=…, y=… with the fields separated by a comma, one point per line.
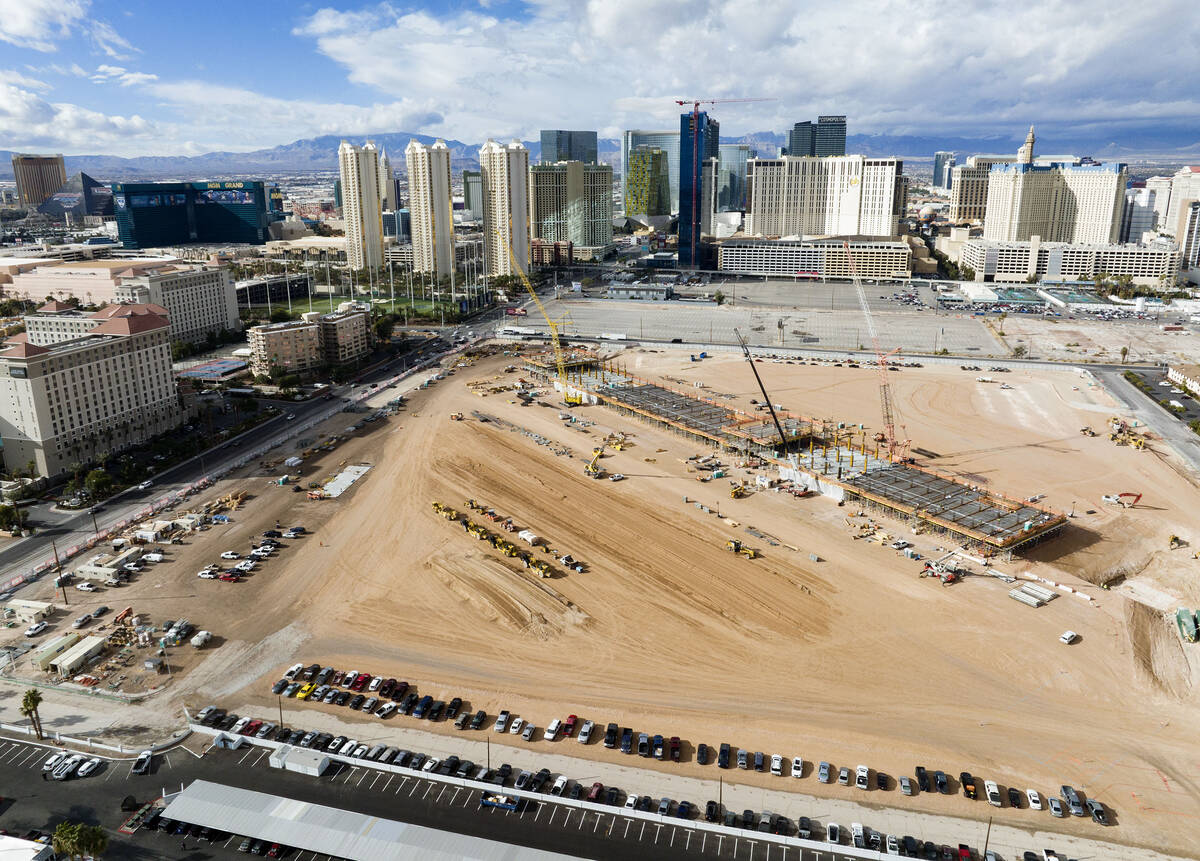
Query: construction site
x=782, y=553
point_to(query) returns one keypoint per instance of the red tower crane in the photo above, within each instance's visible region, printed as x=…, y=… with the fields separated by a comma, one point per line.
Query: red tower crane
x=897, y=449
x=696, y=103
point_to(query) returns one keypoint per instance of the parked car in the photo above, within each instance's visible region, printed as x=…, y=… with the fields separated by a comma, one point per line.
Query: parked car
x=922, y=778
x=797, y=767
x=861, y=776
x=86, y=586
x=942, y=782
x=478, y=719
x=141, y=765
x=1056, y=808
x=585, y=731
x=1099, y=814
x=823, y=772
x=777, y=765
x=702, y=754
x=906, y=785
x=1035, y=800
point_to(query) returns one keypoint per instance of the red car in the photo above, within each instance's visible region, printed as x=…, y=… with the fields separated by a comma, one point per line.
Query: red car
x=569, y=726
x=361, y=681
x=336, y=679
x=399, y=691
x=275, y=851
x=230, y=578
x=252, y=727
x=675, y=748
x=385, y=690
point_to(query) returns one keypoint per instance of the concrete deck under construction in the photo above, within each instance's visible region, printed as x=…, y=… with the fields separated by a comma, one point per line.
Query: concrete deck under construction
x=989, y=522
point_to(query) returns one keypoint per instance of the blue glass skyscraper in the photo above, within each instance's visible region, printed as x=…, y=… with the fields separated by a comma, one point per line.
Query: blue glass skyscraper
x=699, y=140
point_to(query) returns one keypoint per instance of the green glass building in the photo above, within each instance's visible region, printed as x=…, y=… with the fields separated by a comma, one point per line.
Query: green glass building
x=154, y=214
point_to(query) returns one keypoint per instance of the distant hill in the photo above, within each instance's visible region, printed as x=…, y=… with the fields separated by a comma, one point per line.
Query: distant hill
x=320, y=153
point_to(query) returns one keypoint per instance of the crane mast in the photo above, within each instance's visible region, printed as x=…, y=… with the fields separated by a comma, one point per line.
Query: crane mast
x=560, y=360
x=766, y=397
x=896, y=449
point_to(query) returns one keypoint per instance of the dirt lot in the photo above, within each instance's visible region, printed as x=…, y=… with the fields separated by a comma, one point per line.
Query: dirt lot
x=1084, y=339
x=849, y=659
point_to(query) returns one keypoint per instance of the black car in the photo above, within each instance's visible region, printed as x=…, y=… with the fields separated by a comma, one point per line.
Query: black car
x=357, y=702
x=278, y=687
x=943, y=785
x=215, y=718
x=322, y=740
x=435, y=710
x=453, y=708
x=712, y=812
x=684, y=810
x=165, y=824
x=612, y=795
x=478, y=720
x=409, y=703
x=402, y=758
x=1014, y=798
x=723, y=756
x=423, y=706
x=342, y=698
x=780, y=825
x=576, y=791
x=272, y=533
x=881, y=780
x=627, y=740
x=503, y=773
x=418, y=760
x=804, y=829
x=465, y=769
x=538, y=782
x=399, y=691
x=610, y=735
x=645, y=804
x=930, y=851
x=702, y=754
x=922, y=778
x=948, y=854
x=449, y=765
x=749, y=819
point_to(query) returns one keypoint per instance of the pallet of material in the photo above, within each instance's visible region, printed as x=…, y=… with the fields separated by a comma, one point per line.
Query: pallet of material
x=1025, y=598
x=1046, y=595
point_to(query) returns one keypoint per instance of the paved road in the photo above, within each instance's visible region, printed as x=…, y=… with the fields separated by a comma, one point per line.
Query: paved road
x=1176, y=432
x=69, y=529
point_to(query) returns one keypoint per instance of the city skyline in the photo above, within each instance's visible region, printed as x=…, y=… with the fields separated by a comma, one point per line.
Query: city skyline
x=93, y=76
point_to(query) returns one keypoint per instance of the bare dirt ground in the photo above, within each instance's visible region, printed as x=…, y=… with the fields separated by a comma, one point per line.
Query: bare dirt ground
x=1086, y=340
x=849, y=659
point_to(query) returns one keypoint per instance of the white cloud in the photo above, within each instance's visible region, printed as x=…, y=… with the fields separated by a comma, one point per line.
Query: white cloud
x=110, y=41
x=20, y=80
x=39, y=24
x=888, y=64
x=28, y=120
x=119, y=74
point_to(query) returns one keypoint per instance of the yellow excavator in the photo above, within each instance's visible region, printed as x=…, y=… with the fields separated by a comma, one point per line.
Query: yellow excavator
x=593, y=468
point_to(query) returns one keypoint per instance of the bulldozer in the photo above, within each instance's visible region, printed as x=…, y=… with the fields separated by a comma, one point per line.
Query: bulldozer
x=946, y=573
x=737, y=492
x=456, y=417
x=1087, y=431
x=735, y=546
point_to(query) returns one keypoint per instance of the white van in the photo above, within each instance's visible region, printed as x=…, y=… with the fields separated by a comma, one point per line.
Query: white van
x=551, y=733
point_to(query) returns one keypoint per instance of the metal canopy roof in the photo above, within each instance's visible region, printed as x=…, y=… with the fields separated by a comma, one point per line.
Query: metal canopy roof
x=329, y=831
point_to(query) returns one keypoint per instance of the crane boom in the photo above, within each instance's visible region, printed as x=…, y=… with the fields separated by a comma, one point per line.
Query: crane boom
x=895, y=448
x=560, y=360
x=763, y=389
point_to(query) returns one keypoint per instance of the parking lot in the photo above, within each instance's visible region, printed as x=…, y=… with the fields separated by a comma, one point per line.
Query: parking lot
x=33, y=804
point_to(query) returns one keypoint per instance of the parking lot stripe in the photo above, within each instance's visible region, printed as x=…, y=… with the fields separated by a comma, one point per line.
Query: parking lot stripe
x=265, y=751
x=596, y=827
x=553, y=810
x=400, y=785
x=582, y=819
x=376, y=780
x=385, y=786
x=642, y=833
x=688, y=845
x=672, y=838
x=426, y=792
x=33, y=752
x=628, y=822
x=416, y=783
x=363, y=777
x=438, y=800
x=455, y=795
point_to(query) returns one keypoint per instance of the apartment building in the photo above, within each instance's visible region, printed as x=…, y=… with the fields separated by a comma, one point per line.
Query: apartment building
x=69, y=401
x=818, y=258
x=431, y=209
x=838, y=195
x=362, y=207
x=505, y=170
x=199, y=300
x=306, y=344
x=571, y=201
x=1018, y=261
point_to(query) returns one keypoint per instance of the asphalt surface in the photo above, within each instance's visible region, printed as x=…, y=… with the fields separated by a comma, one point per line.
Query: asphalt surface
x=30, y=803
x=63, y=530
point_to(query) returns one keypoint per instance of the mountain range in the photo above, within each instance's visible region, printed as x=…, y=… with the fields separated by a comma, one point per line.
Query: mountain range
x=320, y=153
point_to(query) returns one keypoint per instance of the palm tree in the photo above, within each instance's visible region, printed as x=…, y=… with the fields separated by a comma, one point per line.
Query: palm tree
x=1124, y=353
x=66, y=839
x=93, y=840
x=29, y=709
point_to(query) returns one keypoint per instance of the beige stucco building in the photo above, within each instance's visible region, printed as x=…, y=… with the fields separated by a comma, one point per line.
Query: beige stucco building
x=70, y=401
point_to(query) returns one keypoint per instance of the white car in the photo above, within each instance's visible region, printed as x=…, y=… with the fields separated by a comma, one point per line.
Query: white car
x=375, y=683
x=386, y=709
x=431, y=764
x=88, y=767
x=517, y=723
x=35, y=629
x=1068, y=637
x=208, y=574
x=53, y=761
x=246, y=565
x=290, y=534
x=861, y=774
x=153, y=557
x=777, y=765
x=145, y=485
x=1035, y=800
x=290, y=416
x=67, y=767
x=85, y=586
x=231, y=554
x=237, y=728
x=992, y=791
x=260, y=553
x=292, y=670
x=797, y=767
x=349, y=678
x=585, y=731
x=551, y=733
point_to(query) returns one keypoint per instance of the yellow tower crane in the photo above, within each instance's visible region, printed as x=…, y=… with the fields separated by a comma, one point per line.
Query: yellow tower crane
x=560, y=360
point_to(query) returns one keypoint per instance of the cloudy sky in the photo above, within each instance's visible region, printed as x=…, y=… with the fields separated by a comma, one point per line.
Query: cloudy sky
x=140, y=77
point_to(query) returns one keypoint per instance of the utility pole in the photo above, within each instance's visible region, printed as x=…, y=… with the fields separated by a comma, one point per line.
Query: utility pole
x=58, y=564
